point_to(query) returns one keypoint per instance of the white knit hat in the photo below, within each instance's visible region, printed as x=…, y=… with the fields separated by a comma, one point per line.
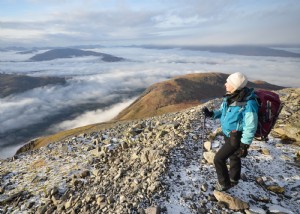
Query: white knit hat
x=237, y=80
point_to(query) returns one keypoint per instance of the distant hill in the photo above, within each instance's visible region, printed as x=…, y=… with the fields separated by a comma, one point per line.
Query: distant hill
x=70, y=53
x=245, y=50
x=12, y=83
x=27, y=51
x=181, y=92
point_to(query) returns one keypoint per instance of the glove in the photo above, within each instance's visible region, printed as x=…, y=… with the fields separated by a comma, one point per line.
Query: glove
x=207, y=112
x=243, y=150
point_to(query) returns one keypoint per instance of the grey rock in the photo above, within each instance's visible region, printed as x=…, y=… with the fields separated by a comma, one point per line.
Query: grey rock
x=55, y=201
x=209, y=156
x=233, y=203
x=152, y=210
x=110, y=200
x=42, y=209
x=120, y=174
x=207, y=145
x=204, y=187
x=84, y=174
x=68, y=204
x=1, y=190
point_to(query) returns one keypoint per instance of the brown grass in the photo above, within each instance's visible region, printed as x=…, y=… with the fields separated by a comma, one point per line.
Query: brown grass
x=38, y=164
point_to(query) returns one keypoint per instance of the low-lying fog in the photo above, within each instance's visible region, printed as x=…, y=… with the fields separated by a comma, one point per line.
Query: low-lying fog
x=110, y=87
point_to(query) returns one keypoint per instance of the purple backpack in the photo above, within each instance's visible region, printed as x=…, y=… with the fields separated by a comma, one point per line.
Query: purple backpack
x=268, y=112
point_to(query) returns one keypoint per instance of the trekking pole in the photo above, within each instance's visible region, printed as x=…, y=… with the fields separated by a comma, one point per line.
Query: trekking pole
x=204, y=128
x=203, y=135
x=202, y=149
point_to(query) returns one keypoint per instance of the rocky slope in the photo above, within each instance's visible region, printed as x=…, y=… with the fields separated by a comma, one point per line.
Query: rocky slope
x=157, y=165
x=288, y=126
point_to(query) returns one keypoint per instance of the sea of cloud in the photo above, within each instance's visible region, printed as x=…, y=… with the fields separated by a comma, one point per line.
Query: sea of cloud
x=90, y=80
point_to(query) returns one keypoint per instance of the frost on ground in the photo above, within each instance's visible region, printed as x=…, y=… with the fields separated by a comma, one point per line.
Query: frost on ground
x=145, y=165
x=270, y=179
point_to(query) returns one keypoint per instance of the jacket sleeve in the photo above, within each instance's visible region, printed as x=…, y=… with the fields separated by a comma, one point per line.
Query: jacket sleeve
x=250, y=121
x=218, y=113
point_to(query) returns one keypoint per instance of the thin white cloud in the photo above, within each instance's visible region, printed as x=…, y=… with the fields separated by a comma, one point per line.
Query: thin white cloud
x=92, y=117
x=15, y=34
x=174, y=21
x=131, y=22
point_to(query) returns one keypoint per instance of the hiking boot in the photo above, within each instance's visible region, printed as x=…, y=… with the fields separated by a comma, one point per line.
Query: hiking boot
x=233, y=182
x=221, y=187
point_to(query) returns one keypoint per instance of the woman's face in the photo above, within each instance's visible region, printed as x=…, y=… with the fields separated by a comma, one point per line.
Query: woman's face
x=229, y=88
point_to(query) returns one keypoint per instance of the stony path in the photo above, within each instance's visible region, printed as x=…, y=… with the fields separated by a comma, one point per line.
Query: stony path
x=186, y=179
x=266, y=171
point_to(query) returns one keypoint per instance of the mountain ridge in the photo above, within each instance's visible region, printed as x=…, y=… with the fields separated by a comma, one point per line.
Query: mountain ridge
x=182, y=92
x=157, y=99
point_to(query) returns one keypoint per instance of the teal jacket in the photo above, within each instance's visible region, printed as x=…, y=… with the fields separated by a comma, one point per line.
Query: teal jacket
x=239, y=116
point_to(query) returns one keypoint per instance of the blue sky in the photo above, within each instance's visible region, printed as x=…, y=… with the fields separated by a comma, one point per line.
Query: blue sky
x=129, y=22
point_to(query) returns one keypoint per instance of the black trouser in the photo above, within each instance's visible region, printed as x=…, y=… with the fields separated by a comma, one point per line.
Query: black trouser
x=228, y=150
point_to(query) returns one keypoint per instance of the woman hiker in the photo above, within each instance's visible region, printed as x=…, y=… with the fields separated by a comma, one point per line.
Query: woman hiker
x=239, y=123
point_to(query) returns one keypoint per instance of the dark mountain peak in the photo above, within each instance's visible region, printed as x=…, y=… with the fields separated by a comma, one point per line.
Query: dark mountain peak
x=72, y=52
